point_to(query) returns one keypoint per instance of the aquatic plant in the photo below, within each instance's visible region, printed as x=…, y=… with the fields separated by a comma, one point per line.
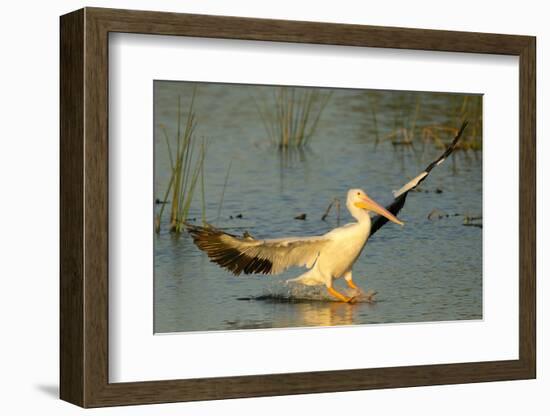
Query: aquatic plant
x=187, y=167
x=220, y=205
x=293, y=116
x=336, y=203
x=406, y=132
x=373, y=104
x=468, y=108
x=410, y=125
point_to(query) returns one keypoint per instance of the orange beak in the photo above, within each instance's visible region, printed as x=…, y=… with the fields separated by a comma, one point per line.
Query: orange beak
x=370, y=205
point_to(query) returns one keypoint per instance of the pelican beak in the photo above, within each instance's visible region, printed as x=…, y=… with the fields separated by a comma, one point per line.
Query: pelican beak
x=370, y=205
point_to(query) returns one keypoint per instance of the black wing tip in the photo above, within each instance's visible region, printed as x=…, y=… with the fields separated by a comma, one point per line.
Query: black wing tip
x=459, y=134
x=463, y=127
x=448, y=150
x=207, y=239
x=396, y=206
x=399, y=202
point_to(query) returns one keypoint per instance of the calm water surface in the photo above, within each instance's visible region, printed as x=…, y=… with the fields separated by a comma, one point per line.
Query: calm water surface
x=425, y=271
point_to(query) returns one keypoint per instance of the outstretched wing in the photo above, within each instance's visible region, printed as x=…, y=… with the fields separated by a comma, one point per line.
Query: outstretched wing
x=401, y=194
x=247, y=255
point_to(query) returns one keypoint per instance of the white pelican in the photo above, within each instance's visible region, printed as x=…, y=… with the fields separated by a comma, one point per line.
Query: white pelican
x=329, y=256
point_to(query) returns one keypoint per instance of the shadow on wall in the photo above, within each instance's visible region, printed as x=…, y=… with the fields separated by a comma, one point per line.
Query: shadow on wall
x=49, y=390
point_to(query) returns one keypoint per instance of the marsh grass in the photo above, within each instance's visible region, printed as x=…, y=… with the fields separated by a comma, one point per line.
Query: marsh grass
x=226, y=180
x=468, y=108
x=187, y=170
x=334, y=203
x=374, y=104
x=404, y=135
x=409, y=126
x=292, y=117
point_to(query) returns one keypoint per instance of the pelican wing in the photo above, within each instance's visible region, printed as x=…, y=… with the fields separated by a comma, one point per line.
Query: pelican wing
x=248, y=255
x=379, y=220
x=401, y=195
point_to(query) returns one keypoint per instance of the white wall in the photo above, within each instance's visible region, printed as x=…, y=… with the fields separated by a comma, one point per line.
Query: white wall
x=29, y=209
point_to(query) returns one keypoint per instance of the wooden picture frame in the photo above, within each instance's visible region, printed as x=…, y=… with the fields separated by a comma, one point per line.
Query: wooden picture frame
x=84, y=207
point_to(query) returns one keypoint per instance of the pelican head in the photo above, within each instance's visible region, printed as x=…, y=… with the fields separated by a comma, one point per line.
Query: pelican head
x=358, y=202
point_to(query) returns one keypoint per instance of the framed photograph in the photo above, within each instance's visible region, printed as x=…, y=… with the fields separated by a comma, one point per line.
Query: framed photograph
x=255, y=207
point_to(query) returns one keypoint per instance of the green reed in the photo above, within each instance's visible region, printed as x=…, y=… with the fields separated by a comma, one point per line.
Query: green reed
x=187, y=169
x=292, y=117
x=405, y=125
x=220, y=205
x=467, y=108
x=411, y=123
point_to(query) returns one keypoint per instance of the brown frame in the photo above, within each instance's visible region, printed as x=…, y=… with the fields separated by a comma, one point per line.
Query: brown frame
x=84, y=207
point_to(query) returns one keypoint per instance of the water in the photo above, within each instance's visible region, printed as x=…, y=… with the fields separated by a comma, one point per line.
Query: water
x=426, y=271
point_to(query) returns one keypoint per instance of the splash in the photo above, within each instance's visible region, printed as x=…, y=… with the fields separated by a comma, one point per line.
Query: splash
x=290, y=292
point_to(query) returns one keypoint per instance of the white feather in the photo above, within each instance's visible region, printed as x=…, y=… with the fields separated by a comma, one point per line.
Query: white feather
x=410, y=185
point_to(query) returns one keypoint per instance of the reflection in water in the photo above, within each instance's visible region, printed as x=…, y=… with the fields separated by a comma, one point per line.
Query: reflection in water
x=290, y=159
x=426, y=271
x=328, y=313
x=335, y=313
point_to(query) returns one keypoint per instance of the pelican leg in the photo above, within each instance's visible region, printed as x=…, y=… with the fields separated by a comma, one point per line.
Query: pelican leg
x=340, y=296
x=352, y=285
x=350, y=281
